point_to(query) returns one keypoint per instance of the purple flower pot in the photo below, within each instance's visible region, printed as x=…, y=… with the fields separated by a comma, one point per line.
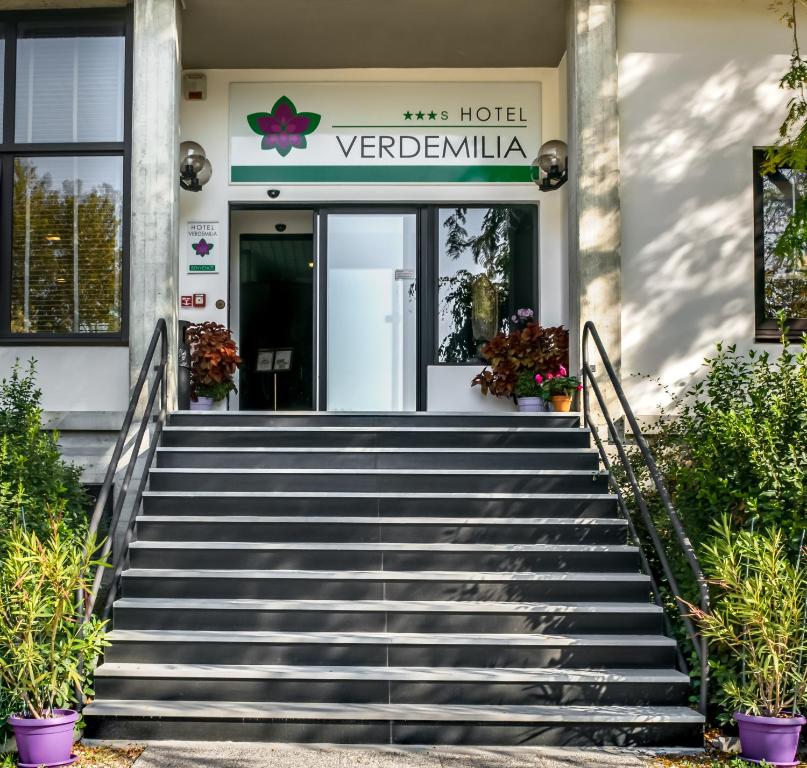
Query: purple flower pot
x=47, y=741
x=202, y=404
x=531, y=404
x=774, y=740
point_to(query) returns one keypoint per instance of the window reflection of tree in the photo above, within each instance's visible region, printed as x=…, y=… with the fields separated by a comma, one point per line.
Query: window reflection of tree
x=785, y=275
x=66, y=247
x=490, y=249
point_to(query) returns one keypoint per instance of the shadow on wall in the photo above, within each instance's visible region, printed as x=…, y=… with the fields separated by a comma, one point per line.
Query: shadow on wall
x=689, y=119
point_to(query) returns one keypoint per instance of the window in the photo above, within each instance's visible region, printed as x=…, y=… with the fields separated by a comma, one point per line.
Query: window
x=486, y=259
x=780, y=281
x=64, y=180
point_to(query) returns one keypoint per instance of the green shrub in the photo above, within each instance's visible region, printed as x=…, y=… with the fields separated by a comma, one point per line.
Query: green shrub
x=36, y=484
x=46, y=651
x=733, y=444
x=760, y=598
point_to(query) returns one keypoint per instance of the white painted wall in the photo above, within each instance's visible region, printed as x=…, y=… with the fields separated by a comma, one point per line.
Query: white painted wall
x=88, y=381
x=698, y=89
x=206, y=122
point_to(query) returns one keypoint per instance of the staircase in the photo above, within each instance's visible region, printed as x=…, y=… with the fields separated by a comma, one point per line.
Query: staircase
x=407, y=579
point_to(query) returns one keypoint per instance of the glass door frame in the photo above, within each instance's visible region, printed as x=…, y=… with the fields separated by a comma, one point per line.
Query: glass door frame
x=423, y=278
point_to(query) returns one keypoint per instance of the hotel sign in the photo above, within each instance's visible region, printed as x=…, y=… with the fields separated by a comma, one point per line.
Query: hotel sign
x=392, y=132
x=202, y=248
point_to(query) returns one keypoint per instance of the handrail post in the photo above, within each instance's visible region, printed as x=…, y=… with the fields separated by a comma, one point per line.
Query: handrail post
x=158, y=387
x=699, y=643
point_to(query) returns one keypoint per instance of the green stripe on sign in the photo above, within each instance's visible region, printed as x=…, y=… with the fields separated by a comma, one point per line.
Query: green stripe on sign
x=202, y=268
x=380, y=173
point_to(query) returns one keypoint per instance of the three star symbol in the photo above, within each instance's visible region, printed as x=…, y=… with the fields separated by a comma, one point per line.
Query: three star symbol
x=420, y=115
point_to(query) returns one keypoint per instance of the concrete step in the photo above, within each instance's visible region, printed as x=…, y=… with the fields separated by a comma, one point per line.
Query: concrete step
x=381, y=504
x=385, y=684
x=386, y=615
x=390, y=648
x=432, y=419
x=395, y=723
x=379, y=458
x=379, y=480
x=405, y=436
x=299, y=528
x=389, y=585
x=332, y=556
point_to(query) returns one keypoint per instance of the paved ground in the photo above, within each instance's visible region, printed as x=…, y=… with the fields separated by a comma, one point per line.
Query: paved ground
x=242, y=755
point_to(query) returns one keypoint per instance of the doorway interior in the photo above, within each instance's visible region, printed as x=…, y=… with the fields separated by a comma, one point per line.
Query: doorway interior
x=345, y=308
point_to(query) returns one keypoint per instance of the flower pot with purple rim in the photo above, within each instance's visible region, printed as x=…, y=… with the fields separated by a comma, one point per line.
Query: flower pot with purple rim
x=531, y=404
x=45, y=741
x=202, y=404
x=774, y=740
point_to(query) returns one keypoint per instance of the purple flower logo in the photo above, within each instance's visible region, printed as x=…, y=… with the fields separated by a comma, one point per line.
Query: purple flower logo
x=284, y=128
x=202, y=248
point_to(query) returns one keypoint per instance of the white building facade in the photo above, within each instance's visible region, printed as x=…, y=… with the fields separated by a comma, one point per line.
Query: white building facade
x=362, y=159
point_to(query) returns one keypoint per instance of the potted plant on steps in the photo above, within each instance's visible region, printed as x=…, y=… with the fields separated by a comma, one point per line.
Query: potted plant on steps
x=529, y=392
x=47, y=649
x=525, y=348
x=214, y=361
x=559, y=388
x=759, y=599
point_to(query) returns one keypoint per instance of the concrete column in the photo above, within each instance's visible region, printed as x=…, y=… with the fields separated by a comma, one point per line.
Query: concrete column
x=155, y=179
x=594, y=216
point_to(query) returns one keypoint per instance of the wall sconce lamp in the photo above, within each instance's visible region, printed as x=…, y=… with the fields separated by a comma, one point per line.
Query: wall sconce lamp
x=550, y=170
x=194, y=167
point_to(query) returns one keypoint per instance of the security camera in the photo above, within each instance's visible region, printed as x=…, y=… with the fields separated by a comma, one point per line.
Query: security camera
x=273, y=193
x=280, y=227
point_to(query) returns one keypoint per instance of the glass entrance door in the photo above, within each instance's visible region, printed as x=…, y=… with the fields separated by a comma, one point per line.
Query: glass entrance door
x=369, y=272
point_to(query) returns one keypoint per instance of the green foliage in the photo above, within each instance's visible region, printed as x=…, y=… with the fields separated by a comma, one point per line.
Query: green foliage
x=560, y=384
x=760, y=599
x=739, y=442
x=35, y=483
x=527, y=386
x=791, y=149
x=47, y=651
x=735, y=444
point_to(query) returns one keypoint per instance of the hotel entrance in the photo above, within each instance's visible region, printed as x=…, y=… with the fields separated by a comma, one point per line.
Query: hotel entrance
x=356, y=308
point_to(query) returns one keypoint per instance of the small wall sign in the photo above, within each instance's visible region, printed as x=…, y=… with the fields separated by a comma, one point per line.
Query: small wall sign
x=199, y=300
x=203, y=249
x=186, y=302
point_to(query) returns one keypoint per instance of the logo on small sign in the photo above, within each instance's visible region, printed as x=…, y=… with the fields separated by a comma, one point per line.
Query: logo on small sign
x=202, y=253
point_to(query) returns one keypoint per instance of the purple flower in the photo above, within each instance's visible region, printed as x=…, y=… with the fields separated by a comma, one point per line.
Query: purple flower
x=202, y=248
x=525, y=314
x=284, y=128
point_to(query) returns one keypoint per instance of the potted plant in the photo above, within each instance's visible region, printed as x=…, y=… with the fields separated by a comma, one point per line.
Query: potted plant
x=529, y=392
x=47, y=648
x=525, y=348
x=759, y=612
x=559, y=388
x=214, y=361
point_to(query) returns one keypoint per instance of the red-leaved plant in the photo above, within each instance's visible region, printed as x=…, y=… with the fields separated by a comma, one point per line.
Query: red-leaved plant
x=214, y=360
x=530, y=348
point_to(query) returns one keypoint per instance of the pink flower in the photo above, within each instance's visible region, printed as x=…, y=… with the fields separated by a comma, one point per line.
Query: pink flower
x=538, y=378
x=562, y=371
x=550, y=376
x=579, y=387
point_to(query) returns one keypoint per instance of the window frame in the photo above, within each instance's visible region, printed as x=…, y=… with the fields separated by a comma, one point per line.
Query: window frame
x=433, y=346
x=79, y=23
x=766, y=329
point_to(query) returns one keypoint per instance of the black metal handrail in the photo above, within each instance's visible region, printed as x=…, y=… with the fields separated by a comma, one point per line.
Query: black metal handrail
x=590, y=385
x=158, y=387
